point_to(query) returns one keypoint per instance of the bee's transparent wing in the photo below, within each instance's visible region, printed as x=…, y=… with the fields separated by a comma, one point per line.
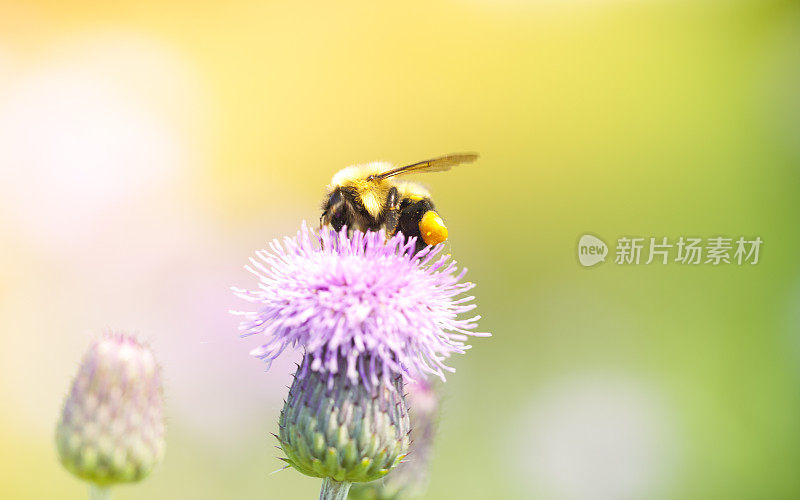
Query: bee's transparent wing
x=434, y=165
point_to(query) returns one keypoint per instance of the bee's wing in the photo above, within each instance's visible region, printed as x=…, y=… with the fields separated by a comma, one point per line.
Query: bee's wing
x=434, y=165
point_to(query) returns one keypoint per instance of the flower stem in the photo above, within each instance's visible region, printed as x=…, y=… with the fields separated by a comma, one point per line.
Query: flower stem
x=99, y=492
x=334, y=490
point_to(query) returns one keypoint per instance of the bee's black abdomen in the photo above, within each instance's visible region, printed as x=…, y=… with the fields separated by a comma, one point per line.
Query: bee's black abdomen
x=411, y=213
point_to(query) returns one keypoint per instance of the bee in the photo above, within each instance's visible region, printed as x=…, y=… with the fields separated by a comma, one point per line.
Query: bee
x=369, y=198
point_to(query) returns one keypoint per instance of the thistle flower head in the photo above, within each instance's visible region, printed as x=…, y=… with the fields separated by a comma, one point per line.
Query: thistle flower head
x=112, y=426
x=359, y=304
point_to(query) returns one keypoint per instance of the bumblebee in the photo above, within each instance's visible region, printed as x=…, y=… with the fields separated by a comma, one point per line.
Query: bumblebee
x=368, y=198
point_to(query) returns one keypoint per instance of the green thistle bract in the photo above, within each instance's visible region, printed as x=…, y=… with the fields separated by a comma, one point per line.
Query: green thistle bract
x=410, y=478
x=330, y=427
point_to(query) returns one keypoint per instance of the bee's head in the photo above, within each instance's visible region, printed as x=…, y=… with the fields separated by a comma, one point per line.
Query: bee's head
x=335, y=210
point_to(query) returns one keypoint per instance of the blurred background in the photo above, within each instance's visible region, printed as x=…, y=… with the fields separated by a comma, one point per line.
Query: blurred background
x=147, y=149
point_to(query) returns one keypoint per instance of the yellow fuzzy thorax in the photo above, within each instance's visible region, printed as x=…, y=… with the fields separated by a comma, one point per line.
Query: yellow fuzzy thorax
x=373, y=193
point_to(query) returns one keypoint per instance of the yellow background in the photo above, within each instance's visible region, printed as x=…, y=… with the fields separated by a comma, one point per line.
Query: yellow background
x=148, y=148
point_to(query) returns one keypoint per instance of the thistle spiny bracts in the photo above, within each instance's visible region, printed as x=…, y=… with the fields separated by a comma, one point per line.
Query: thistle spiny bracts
x=112, y=426
x=330, y=427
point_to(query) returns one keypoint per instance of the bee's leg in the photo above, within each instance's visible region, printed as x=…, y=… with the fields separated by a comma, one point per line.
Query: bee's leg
x=419, y=219
x=392, y=214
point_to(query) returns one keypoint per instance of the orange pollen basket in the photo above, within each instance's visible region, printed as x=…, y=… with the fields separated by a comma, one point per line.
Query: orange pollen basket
x=432, y=228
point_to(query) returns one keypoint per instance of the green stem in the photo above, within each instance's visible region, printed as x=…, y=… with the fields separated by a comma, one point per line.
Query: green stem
x=334, y=490
x=99, y=492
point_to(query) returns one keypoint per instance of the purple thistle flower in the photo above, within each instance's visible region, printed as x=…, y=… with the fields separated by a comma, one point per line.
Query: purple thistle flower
x=359, y=303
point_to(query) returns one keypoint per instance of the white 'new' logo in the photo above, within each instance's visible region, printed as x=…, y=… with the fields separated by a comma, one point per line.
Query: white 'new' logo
x=591, y=250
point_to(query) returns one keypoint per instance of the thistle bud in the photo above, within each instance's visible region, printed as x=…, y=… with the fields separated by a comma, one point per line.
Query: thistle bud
x=333, y=428
x=112, y=426
x=410, y=478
